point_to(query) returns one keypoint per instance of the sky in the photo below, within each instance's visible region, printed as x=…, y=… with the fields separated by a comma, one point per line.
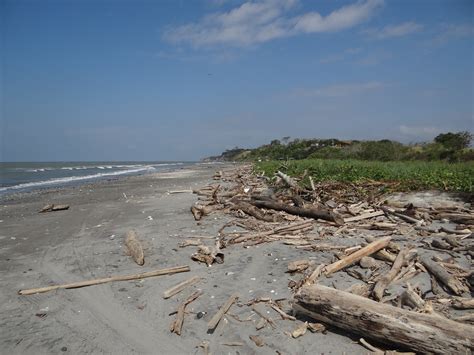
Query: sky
x=180, y=80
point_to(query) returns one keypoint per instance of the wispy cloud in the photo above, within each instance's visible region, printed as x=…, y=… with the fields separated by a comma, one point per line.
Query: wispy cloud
x=400, y=30
x=452, y=31
x=258, y=22
x=341, y=90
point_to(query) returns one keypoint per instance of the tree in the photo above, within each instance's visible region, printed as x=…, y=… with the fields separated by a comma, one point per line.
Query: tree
x=454, y=141
x=275, y=142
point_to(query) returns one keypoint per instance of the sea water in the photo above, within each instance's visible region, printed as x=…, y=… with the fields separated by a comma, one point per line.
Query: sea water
x=16, y=177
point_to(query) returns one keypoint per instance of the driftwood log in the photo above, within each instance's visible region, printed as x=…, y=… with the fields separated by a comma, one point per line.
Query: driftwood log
x=356, y=256
x=251, y=210
x=134, y=247
x=168, y=271
x=310, y=212
x=450, y=281
x=385, y=280
x=423, y=333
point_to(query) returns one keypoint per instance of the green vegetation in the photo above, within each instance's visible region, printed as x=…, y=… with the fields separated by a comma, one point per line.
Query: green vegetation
x=411, y=175
x=451, y=147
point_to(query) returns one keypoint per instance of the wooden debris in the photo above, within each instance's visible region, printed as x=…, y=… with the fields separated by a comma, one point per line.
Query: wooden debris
x=364, y=216
x=217, y=317
x=288, y=180
x=255, y=212
x=456, y=286
x=177, y=324
x=283, y=315
x=257, y=340
x=190, y=242
x=167, y=271
x=310, y=212
x=316, y=327
x=208, y=255
x=180, y=192
x=180, y=287
x=300, y=330
x=462, y=303
x=134, y=248
x=232, y=343
x=356, y=256
x=299, y=265
x=385, y=280
x=412, y=299
x=53, y=208
x=419, y=332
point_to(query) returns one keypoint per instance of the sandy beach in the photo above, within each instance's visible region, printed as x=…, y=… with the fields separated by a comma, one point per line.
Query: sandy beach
x=86, y=242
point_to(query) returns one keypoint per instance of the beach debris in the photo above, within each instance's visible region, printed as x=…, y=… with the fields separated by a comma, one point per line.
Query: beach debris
x=300, y=330
x=220, y=313
x=356, y=256
x=180, y=287
x=180, y=192
x=54, y=208
x=450, y=281
x=177, y=324
x=232, y=343
x=205, y=347
x=208, y=255
x=420, y=332
x=134, y=247
x=385, y=280
x=316, y=327
x=310, y=212
x=160, y=272
x=299, y=265
x=257, y=340
x=327, y=217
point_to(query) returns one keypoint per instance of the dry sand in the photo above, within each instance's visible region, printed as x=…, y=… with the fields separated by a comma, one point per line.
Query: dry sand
x=86, y=242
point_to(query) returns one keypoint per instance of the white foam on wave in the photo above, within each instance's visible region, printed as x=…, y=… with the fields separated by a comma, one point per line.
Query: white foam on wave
x=73, y=179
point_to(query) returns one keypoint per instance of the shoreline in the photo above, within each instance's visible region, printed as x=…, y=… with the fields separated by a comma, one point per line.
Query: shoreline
x=80, y=180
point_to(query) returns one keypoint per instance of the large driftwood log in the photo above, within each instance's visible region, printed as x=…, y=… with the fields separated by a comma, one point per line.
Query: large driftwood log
x=356, y=256
x=310, y=212
x=444, y=277
x=134, y=247
x=419, y=332
x=169, y=271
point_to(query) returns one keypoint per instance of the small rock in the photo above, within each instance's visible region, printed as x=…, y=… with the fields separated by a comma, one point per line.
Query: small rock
x=367, y=262
x=199, y=315
x=64, y=348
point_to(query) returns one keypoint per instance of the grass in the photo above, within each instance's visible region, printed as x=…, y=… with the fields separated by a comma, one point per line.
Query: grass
x=410, y=175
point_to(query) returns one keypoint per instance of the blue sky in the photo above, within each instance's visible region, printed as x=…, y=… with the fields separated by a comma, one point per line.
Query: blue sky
x=180, y=80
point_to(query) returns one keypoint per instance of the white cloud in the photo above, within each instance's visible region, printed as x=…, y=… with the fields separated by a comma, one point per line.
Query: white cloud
x=402, y=29
x=258, y=22
x=340, y=90
x=343, y=18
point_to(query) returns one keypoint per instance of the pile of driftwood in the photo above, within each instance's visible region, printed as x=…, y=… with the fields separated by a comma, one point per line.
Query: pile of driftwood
x=410, y=241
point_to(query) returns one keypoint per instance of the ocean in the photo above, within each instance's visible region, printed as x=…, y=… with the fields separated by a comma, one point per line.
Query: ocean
x=20, y=177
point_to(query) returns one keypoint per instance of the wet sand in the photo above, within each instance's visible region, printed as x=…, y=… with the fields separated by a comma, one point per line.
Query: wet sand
x=86, y=242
